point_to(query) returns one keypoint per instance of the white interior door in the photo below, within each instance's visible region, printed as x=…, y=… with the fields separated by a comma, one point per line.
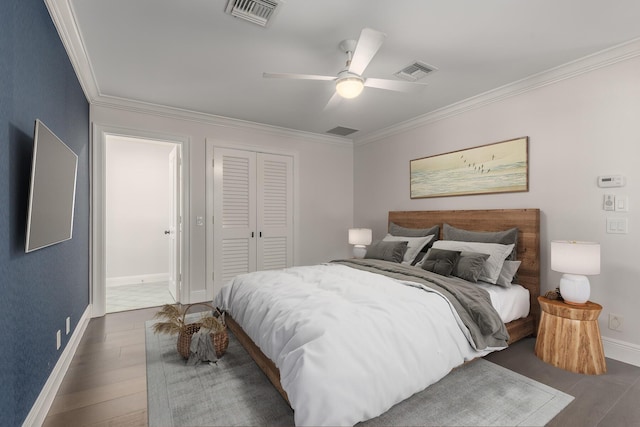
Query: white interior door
x=275, y=211
x=99, y=197
x=234, y=214
x=175, y=226
x=252, y=213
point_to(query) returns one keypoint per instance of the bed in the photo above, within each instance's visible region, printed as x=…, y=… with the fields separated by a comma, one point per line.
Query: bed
x=356, y=375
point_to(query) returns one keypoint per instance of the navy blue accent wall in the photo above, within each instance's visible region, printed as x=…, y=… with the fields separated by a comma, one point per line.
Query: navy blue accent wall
x=40, y=289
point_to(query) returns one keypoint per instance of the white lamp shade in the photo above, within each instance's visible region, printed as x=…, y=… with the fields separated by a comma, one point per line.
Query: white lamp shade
x=574, y=257
x=576, y=260
x=360, y=236
x=349, y=87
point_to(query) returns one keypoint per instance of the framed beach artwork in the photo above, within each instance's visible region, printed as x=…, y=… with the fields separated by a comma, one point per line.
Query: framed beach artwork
x=501, y=167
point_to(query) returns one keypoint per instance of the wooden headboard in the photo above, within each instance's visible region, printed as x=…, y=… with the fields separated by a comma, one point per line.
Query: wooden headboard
x=526, y=220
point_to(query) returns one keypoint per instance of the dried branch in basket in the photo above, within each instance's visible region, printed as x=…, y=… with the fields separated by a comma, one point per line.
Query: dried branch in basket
x=213, y=323
x=175, y=319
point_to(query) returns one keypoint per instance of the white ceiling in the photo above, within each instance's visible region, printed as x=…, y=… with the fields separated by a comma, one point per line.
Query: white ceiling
x=190, y=55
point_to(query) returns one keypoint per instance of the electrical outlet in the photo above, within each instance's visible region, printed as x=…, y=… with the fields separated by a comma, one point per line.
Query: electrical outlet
x=615, y=322
x=68, y=325
x=58, y=339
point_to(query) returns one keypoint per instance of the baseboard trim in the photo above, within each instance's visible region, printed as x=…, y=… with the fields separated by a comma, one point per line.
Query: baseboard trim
x=198, y=296
x=622, y=351
x=138, y=279
x=41, y=407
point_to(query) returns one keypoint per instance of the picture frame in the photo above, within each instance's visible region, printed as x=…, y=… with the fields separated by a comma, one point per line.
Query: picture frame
x=500, y=167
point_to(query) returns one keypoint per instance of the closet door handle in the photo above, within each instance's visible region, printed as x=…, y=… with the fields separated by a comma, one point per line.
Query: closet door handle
x=252, y=233
x=261, y=234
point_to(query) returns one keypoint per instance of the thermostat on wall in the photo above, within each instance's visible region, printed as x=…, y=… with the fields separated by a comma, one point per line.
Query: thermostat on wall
x=611, y=181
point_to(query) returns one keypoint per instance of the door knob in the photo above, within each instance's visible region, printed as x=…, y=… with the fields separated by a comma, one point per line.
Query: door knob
x=167, y=231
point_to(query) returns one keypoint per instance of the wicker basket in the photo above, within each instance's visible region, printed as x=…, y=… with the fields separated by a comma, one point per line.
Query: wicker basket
x=220, y=339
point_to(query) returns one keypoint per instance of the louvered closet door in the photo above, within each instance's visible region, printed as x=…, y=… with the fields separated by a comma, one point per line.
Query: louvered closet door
x=253, y=213
x=275, y=212
x=234, y=231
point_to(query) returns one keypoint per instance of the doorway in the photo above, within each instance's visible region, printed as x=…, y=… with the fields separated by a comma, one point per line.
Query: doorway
x=138, y=227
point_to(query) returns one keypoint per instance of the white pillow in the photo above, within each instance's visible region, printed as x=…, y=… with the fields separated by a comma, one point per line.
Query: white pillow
x=414, y=245
x=492, y=266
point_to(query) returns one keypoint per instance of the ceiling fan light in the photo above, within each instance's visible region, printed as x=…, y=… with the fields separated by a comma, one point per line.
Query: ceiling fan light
x=349, y=87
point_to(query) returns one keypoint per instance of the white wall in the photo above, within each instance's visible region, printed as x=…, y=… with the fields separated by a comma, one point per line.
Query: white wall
x=578, y=128
x=138, y=193
x=324, y=181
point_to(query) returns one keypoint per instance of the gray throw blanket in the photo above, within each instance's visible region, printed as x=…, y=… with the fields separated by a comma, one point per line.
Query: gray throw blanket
x=201, y=348
x=472, y=303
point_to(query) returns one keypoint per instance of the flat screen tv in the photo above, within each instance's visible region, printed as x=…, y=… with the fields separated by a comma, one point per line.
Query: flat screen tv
x=52, y=190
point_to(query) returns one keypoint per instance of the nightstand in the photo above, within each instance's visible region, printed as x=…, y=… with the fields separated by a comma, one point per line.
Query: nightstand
x=569, y=336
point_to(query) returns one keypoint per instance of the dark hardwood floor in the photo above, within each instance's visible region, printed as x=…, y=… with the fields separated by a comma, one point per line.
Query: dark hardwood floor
x=106, y=382
x=609, y=400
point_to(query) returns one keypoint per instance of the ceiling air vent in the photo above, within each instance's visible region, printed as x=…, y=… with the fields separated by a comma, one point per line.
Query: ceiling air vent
x=256, y=11
x=341, y=131
x=415, y=71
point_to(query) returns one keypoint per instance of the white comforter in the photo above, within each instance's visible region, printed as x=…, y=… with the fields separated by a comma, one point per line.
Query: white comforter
x=349, y=344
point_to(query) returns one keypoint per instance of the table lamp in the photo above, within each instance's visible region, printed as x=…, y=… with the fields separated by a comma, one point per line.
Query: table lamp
x=359, y=237
x=576, y=260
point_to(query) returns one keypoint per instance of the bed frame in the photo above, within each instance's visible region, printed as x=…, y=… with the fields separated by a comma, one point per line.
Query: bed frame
x=526, y=220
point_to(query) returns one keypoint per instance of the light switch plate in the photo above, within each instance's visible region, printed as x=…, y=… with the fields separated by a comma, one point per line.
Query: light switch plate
x=622, y=203
x=617, y=225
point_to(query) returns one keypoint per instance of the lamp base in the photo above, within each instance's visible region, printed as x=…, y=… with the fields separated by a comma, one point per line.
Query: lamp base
x=575, y=289
x=359, y=251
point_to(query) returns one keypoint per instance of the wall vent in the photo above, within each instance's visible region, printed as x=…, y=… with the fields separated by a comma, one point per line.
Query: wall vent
x=341, y=131
x=256, y=11
x=415, y=71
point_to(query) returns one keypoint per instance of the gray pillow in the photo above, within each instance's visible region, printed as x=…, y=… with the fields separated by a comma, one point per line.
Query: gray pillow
x=508, y=273
x=506, y=237
x=388, y=251
x=469, y=266
x=398, y=230
x=441, y=261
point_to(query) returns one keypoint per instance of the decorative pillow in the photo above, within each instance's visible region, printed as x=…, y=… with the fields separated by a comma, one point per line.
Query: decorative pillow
x=440, y=261
x=414, y=245
x=508, y=272
x=470, y=266
x=398, y=230
x=506, y=237
x=492, y=266
x=388, y=251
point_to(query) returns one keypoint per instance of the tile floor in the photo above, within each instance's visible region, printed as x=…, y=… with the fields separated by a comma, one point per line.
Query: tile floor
x=139, y=295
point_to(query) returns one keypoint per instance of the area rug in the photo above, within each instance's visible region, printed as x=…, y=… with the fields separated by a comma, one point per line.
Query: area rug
x=235, y=392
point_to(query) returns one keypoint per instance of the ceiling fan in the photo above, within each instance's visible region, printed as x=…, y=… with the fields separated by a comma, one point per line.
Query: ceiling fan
x=350, y=82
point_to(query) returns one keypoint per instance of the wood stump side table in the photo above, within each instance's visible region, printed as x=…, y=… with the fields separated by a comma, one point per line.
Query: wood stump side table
x=569, y=336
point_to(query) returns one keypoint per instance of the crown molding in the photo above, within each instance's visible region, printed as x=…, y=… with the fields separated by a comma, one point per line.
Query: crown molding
x=604, y=58
x=64, y=20
x=130, y=105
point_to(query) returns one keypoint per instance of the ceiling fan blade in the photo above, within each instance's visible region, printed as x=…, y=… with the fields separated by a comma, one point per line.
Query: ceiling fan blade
x=368, y=45
x=397, y=85
x=333, y=102
x=297, y=76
